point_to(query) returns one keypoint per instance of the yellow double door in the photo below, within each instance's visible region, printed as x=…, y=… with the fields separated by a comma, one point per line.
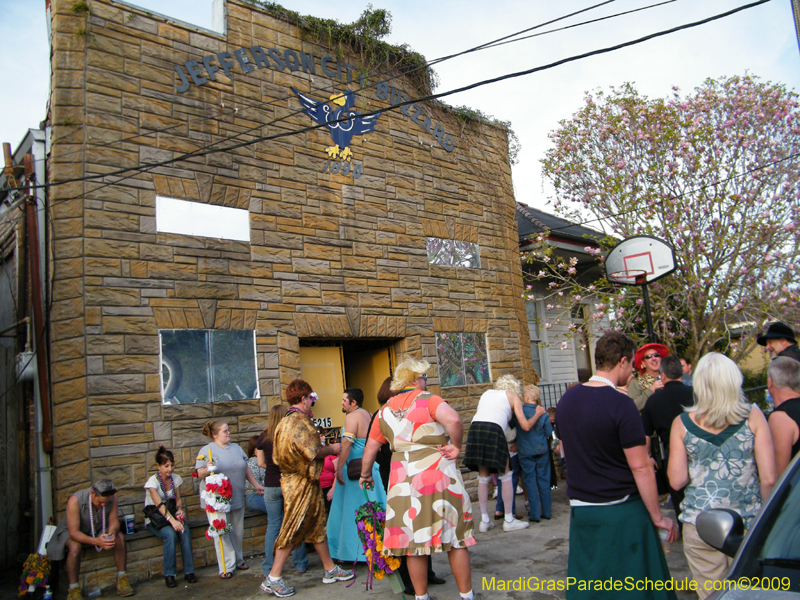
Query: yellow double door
x=331, y=369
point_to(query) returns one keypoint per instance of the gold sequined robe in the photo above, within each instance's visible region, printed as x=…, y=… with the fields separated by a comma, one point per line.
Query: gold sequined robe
x=294, y=450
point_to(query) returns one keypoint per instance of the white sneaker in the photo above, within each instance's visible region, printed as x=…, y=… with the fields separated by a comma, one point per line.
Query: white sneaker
x=515, y=525
x=519, y=490
x=494, y=493
x=484, y=526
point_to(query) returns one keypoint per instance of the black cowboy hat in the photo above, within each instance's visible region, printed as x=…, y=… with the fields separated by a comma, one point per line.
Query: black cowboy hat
x=777, y=331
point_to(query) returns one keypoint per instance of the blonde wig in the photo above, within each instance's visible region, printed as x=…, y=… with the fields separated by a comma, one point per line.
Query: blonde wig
x=507, y=383
x=718, y=392
x=407, y=372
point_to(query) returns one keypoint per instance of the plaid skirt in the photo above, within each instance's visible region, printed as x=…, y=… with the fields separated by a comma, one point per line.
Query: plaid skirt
x=486, y=447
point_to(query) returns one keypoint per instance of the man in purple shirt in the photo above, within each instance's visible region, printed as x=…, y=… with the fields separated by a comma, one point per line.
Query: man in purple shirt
x=611, y=484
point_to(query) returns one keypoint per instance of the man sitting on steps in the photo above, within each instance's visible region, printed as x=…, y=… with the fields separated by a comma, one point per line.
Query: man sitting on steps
x=91, y=519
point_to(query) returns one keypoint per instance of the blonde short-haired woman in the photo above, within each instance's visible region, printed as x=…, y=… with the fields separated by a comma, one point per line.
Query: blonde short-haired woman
x=425, y=434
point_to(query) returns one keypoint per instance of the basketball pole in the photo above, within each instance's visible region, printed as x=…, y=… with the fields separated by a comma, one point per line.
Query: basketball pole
x=651, y=335
x=641, y=280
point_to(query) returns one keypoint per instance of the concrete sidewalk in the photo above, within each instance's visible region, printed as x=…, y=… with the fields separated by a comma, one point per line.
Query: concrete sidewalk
x=540, y=551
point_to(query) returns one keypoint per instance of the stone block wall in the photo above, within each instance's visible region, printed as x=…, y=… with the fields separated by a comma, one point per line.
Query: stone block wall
x=330, y=255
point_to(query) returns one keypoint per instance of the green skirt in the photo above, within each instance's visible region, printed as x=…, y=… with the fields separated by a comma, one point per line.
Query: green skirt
x=615, y=552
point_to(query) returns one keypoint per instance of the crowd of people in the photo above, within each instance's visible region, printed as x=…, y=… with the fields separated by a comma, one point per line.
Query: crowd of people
x=672, y=429
x=685, y=432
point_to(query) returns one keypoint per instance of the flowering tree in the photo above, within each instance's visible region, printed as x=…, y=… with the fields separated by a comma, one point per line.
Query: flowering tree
x=715, y=175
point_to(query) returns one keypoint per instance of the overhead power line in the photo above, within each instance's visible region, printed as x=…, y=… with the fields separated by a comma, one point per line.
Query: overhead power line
x=395, y=73
x=432, y=96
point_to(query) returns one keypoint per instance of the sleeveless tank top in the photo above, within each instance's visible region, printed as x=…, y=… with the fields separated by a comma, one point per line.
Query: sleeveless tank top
x=494, y=407
x=722, y=470
x=792, y=408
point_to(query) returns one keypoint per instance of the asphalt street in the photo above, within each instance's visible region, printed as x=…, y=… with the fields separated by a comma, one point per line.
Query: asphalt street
x=536, y=554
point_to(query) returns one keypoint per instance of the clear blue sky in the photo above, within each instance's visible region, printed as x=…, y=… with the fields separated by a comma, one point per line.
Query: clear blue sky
x=759, y=41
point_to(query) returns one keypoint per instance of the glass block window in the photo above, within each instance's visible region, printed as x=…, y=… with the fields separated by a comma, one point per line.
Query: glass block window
x=208, y=365
x=463, y=359
x=453, y=253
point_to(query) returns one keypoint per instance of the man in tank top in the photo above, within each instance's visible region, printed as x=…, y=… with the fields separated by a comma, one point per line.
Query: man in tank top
x=91, y=520
x=783, y=383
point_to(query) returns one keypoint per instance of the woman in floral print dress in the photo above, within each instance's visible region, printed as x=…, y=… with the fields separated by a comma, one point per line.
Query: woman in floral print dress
x=428, y=510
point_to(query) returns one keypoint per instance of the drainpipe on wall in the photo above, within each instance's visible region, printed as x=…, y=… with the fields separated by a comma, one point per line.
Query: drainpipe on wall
x=42, y=414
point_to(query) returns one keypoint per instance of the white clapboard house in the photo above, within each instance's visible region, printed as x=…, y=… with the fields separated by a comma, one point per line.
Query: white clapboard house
x=558, y=363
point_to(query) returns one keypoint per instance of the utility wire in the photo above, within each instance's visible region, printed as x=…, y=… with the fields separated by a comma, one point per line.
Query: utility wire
x=432, y=96
x=620, y=14
x=398, y=72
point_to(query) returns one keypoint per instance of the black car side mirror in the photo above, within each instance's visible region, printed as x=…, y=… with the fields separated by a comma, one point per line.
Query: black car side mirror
x=722, y=529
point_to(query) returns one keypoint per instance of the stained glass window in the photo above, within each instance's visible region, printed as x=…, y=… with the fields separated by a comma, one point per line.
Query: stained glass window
x=453, y=253
x=463, y=359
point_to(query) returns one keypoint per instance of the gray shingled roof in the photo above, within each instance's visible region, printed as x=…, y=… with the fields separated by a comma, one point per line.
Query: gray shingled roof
x=531, y=221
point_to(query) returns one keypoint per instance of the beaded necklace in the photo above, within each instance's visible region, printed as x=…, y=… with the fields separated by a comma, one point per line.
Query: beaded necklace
x=602, y=380
x=163, y=489
x=308, y=414
x=102, y=519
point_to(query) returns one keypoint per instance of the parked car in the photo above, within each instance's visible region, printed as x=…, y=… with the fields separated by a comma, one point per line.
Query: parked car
x=766, y=561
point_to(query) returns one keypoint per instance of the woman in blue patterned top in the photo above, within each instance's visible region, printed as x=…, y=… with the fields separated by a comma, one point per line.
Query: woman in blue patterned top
x=721, y=450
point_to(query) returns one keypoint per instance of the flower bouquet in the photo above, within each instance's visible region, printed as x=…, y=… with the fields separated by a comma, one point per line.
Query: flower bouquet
x=35, y=573
x=217, y=498
x=37, y=567
x=370, y=518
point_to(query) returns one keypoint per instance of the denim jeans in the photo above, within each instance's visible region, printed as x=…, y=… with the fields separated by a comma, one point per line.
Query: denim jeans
x=168, y=537
x=514, y=464
x=272, y=504
x=536, y=475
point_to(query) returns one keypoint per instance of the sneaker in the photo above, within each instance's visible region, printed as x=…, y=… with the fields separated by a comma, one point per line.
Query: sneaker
x=337, y=574
x=277, y=588
x=515, y=525
x=124, y=586
x=74, y=594
x=519, y=490
x=494, y=493
x=484, y=526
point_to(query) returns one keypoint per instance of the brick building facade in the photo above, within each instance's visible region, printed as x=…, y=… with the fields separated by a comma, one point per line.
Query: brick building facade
x=407, y=247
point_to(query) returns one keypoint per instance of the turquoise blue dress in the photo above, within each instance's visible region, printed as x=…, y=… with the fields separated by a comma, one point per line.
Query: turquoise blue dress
x=343, y=540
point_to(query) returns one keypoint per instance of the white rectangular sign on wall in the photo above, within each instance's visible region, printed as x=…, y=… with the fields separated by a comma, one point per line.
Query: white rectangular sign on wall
x=204, y=220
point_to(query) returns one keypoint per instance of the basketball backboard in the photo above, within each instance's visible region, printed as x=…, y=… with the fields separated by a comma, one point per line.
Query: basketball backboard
x=638, y=260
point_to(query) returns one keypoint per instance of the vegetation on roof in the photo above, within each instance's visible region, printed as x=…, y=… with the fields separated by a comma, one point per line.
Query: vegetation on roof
x=363, y=38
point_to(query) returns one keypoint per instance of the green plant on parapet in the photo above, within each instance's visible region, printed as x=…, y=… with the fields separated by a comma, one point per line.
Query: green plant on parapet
x=468, y=116
x=67, y=123
x=84, y=8
x=81, y=6
x=381, y=59
x=362, y=38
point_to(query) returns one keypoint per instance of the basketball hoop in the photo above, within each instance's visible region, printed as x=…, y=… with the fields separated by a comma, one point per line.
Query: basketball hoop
x=628, y=277
x=640, y=260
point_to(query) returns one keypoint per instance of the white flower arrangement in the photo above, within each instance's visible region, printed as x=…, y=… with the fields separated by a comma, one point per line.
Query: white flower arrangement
x=217, y=493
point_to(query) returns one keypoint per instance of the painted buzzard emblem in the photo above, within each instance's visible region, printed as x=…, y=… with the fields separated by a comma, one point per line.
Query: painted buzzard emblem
x=342, y=132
